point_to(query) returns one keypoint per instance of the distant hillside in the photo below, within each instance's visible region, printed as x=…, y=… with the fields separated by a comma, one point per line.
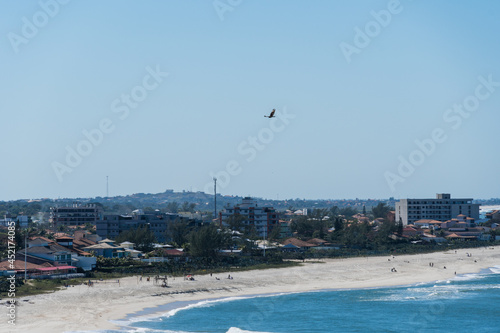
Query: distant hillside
x=198, y=201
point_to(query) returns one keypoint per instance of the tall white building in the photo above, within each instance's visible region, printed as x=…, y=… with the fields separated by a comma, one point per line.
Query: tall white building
x=442, y=208
x=263, y=218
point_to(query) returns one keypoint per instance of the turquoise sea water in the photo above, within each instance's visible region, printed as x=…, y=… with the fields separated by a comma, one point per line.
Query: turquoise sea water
x=466, y=303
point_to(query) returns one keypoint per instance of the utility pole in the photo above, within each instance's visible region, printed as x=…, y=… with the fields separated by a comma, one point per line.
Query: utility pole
x=215, y=197
x=25, y=254
x=107, y=187
x=265, y=236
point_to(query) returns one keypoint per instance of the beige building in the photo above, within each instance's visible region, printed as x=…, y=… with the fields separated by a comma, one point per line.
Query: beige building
x=442, y=208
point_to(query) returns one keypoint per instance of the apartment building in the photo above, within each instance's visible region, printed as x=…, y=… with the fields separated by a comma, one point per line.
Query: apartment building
x=442, y=208
x=110, y=226
x=75, y=214
x=263, y=218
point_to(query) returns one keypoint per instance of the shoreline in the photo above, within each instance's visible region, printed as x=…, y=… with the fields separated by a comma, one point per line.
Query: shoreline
x=163, y=309
x=102, y=306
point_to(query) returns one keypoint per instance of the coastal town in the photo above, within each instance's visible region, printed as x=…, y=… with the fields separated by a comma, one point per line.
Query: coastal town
x=80, y=239
x=250, y=249
x=232, y=166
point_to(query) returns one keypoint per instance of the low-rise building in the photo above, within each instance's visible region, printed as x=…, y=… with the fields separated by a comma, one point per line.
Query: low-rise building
x=107, y=249
x=31, y=266
x=130, y=251
x=172, y=254
x=494, y=215
x=295, y=244
x=410, y=232
x=64, y=251
x=428, y=224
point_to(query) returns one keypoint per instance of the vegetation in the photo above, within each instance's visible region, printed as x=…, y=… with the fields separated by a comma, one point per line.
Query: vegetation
x=348, y=211
x=33, y=287
x=177, y=233
x=142, y=237
x=206, y=242
x=381, y=210
x=16, y=208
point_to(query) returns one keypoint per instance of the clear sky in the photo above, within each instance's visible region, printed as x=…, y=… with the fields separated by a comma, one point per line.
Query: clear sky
x=374, y=99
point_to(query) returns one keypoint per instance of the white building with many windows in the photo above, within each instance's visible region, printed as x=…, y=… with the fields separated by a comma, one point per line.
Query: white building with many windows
x=263, y=218
x=442, y=208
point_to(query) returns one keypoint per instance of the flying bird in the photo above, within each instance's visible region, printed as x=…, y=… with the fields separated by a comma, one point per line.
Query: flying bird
x=272, y=114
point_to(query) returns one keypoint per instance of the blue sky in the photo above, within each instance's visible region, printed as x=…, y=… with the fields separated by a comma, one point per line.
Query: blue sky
x=374, y=99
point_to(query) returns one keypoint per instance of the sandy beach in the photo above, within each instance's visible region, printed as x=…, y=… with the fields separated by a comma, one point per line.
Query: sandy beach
x=92, y=308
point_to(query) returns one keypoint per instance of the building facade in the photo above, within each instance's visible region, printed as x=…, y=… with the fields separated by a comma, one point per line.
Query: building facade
x=263, y=218
x=110, y=226
x=76, y=214
x=8, y=219
x=442, y=208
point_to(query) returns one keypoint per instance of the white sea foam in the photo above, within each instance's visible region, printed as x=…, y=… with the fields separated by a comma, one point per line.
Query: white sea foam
x=470, y=276
x=173, y=312
x=201, y=304
x=129, y=330
x=438, y=291
x=487, y=209
x=239, y=330
x=209, y=303
x=495, y=269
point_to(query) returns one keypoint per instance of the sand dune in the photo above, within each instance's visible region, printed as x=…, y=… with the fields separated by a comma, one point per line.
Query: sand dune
x=90, y=308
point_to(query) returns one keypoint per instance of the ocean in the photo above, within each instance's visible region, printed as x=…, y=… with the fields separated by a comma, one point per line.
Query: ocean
x=466, y=303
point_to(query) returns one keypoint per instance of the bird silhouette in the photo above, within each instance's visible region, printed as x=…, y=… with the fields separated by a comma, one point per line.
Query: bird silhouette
x=272, y=114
